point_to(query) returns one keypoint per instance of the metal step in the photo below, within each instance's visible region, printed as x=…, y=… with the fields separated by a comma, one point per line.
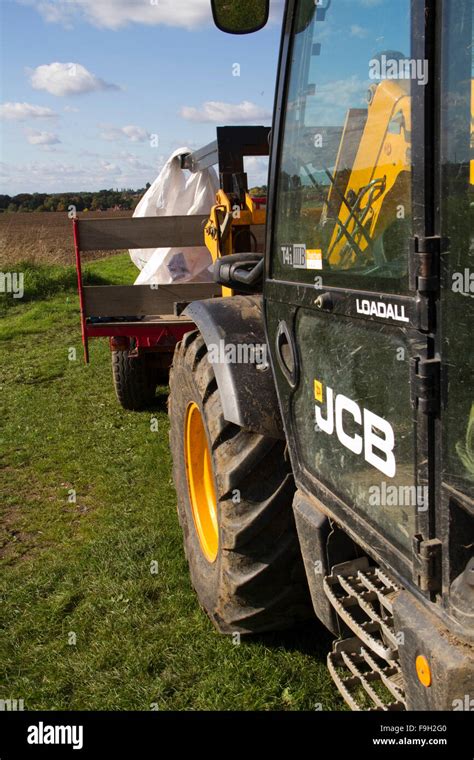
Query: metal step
x=365, y=681
x=362, y=596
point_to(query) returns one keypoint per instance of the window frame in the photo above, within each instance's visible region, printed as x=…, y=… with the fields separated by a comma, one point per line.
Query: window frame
x=425, y=128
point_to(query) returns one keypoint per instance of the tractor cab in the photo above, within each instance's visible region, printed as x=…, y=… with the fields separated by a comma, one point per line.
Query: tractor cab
x=368, y=304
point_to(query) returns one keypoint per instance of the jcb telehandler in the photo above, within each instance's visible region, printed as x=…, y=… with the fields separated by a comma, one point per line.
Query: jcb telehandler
x=321, y=410
x=344, y=445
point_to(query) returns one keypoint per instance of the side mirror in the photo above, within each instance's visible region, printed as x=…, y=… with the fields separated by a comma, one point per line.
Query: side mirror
x=240, y=271
x=240, y=16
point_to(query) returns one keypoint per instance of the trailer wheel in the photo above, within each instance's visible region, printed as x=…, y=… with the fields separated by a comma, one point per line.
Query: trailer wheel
x=162, y=376
x=133, y=381
x=235, y=491
x=160, y=370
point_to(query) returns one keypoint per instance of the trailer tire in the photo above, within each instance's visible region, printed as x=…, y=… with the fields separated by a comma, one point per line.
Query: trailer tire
x=162, y=376
x=256, y=582
x=133, y=382
x=161, y=372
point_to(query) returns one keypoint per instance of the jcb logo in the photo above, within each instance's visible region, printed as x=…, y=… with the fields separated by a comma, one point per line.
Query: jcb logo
x=377, y=433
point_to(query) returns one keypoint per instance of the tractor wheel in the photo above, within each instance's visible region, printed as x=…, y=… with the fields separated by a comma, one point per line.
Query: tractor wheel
x=235, y=491
x=133, y=382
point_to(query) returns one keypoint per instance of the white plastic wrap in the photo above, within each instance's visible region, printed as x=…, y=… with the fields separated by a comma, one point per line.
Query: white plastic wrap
x=174, y=194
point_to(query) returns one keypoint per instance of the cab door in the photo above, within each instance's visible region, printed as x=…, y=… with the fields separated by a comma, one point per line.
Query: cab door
x=350, y=281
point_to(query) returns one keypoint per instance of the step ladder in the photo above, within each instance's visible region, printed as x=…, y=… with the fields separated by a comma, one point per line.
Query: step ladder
x=365, y=666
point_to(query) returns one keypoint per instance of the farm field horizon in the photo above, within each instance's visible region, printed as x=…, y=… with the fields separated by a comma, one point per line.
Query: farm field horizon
x=45, y=237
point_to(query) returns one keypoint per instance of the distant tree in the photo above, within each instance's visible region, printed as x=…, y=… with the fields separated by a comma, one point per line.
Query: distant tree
x=50, y=203
x=22, y=198
x=37, y=200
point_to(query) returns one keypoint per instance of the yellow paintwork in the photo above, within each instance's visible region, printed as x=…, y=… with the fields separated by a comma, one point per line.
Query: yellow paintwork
x=202, y=495
x=258, y=215
x=220, y=212
x=381, y=157
x=318, y=391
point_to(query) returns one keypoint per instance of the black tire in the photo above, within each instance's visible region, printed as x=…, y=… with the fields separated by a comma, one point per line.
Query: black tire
x=257, y=581
x=161, y=376
x=134, y=384
x=161, y=369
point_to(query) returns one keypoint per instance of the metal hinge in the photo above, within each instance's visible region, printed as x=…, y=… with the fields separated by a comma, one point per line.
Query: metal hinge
x=427, y=563
x=425, y=384
x=424, y=262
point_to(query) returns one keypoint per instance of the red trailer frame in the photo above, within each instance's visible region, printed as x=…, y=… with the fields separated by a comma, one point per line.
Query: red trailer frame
x=161, y=328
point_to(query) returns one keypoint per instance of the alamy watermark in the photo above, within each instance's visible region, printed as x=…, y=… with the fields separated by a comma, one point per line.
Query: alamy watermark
x=386, y=67
x=49, y=734
x=465, y=704
x=463, y=282
x=386, y=495
x=12, y=282
x=12, y=705
x=237, y=353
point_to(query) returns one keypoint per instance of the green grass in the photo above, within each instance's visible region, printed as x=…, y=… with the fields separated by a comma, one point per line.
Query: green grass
x=41, y=281
x=80, y=571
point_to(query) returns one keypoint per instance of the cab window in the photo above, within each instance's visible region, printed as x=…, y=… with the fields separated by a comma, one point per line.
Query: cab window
x=343, y=209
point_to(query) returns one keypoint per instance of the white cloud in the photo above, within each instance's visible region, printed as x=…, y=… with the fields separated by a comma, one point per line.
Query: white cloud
x=257, y=170
x=52, y=177
x=216, y=111
x=135, y=134
x=113, y=14
x=123, y=159
x=43, y=174
x=132, y=160
x=131, y=132
x=108, y=166
x=343, y=93
x=71, y=109
x=358, y=31
x=67, y=79
x=35, y=137
x=332, y=100
x=24, y=111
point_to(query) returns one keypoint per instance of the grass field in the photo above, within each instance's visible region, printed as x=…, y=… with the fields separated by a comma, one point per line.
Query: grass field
x=85, y=623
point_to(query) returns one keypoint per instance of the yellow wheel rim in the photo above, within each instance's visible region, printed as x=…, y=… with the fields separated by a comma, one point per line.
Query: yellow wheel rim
x=201, y=489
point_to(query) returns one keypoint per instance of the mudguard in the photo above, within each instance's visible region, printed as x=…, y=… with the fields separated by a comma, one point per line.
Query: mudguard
x=234, y=333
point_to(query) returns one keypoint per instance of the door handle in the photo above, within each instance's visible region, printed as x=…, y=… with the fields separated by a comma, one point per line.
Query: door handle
x=286, y=353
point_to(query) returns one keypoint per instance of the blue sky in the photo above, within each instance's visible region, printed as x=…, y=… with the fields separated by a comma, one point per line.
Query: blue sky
x=98, y=93
x=140, y=68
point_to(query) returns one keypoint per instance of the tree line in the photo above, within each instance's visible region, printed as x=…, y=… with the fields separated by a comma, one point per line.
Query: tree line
x=83, y=201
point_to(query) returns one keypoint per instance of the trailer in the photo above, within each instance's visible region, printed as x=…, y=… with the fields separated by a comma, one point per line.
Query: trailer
x=145, y=322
